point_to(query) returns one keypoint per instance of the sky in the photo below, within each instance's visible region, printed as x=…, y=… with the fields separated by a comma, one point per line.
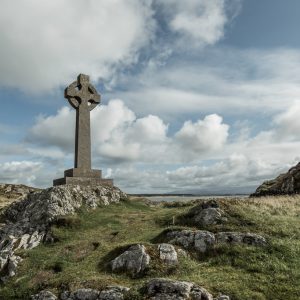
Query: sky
x=197, y=95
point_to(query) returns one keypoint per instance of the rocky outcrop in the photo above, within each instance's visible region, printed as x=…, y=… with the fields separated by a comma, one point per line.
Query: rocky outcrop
x=284, y=184
x=15, y=190
x=202, y=241
x=168, y=254
x=242, y=238
x=110, y=293
x=44, y=295
x=205, y=214
x=166, y=289
x=28, y=221
x=155, y=289
x=199, y=240
x=133, y=261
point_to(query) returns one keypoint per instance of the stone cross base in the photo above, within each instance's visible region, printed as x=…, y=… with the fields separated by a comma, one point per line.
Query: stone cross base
x=79, y=176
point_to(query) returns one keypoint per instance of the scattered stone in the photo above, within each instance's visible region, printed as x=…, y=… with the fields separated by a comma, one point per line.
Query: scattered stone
x=168, y=254
x=165, y=289
x=135, y=261
x=44, y=295
x=194, y=240
x=284, y=184
x=28, y=221
x=202, y=241
x=244, y=238
x=113, y=293
x=205, y=214
x=223, y=297
x=182, y=253
x=85, y=294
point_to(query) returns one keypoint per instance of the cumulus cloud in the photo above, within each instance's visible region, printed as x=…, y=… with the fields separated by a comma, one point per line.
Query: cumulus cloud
x=288, y=123
x=119, y=135
x=200, y=21
x=204, y=135
x=19, y=172
x=44, y=45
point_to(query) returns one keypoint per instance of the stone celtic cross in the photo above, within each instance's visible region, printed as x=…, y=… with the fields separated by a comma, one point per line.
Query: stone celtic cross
x=82, y=96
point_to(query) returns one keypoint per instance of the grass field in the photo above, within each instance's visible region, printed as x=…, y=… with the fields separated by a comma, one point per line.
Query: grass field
x=88, y=240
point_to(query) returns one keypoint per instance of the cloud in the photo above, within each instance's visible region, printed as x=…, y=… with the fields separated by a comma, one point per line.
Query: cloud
x=288, y=123
x=226, y=81
x=118, y=135
x=44, y=45
x=58, y=130
x=201, y=22
x=204, y=135
x=19, y=172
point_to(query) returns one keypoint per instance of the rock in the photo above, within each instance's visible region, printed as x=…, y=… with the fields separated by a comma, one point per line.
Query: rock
x=202, y=241
x=113, y=293
x=44, y=295
x=85, y=294
x=205, y=214
x=199, y=240
x=168, y=254
x=223, y=297
x=166, y=289
x=284, y=184
x=182, y=253
x=29, y=220
x=134, y=261
x=244, y=238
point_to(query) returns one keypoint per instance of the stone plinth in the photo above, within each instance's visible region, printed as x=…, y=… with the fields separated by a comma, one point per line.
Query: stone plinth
x=83, y=97
x=85, y=177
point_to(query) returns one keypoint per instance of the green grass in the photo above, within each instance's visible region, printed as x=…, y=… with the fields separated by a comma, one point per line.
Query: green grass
x=88, y=240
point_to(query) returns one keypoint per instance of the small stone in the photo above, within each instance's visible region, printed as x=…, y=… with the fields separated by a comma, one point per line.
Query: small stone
x=44, y=295
x=223, y=297
x=85, y=294
x=135, y=260
x=168, y=254
x=113, y=293
x=182, y=253
x=166, y=289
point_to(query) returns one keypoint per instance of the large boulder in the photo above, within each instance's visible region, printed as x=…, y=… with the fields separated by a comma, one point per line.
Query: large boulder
x=28, y=221
x=133, y=261
x=284, y=184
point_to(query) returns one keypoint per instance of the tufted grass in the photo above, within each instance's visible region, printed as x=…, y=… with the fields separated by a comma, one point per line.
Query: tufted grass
x=87, y=241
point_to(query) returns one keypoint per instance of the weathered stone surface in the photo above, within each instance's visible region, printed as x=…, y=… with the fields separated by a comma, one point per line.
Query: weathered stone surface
x=284, y=184
x=82, y=96
x=168, y=254
x=134, y=261
x=202, y=241
x=44, y=295
x=28, y=221
x=113, y=293
x=194, y=240
x=205, y=214
x=85, y=294
x=165, y=289
x=244, y=238
x=223, y=297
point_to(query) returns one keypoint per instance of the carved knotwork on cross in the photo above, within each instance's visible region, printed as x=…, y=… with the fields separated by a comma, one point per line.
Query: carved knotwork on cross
x=83, y=97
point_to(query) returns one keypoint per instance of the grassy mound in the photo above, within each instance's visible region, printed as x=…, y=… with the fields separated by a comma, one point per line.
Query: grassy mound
x=84, y=243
